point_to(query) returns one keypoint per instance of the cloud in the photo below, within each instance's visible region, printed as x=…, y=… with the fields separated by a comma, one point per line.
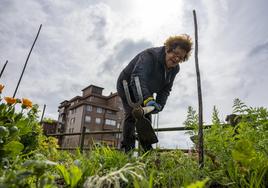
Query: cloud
x=259, y=50
x=177, y=139
x=89, y=42
x=123, y=52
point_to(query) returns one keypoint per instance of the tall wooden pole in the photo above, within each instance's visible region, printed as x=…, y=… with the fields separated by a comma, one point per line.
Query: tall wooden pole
x=82, y=139
x=200, y=103
x=44, y=109
x=3, y=68
x=27, y=61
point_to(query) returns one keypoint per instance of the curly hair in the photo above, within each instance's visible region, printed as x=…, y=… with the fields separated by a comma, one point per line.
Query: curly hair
x=184, y=41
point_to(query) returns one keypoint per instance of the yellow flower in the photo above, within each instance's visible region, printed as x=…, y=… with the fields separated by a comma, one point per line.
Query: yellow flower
x=26, y=103
x=10, y=100
x=1, y=88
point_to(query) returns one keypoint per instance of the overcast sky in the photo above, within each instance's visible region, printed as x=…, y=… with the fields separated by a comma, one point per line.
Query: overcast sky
x=87, y=42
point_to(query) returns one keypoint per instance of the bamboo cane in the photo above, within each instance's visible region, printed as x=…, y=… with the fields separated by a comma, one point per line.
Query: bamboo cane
x=44, y=109
x=200, y=105
x=3, y=68
x=26, y=61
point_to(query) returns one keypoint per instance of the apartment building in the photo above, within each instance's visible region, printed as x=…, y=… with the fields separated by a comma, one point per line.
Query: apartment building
x=93, y=111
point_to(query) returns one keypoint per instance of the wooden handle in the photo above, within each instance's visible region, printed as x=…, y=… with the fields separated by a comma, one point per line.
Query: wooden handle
x=148, y=109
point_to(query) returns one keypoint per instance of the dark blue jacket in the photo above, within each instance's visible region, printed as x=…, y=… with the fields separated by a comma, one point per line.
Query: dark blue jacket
x=149, y=66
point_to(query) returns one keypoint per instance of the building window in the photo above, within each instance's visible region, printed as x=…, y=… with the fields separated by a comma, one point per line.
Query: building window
x=111, y=112
x=73, y=111
x=110, y=122
x=118, y=125
x=87, y=119
x=118, y=136
x=98, y=120
x=99, y=110
x=87, y=130
x=72, y=121
x=88, y=108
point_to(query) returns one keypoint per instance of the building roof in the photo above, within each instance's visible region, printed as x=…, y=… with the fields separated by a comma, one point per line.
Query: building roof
x=75, y=98
x=92, y=86
x=66, y=103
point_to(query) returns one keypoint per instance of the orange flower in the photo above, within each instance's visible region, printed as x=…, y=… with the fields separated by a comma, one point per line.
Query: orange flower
x=1, y=88
x=26, y=103
x=10, y=100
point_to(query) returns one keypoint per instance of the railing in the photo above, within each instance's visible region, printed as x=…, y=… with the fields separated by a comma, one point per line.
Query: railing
x=83, y=133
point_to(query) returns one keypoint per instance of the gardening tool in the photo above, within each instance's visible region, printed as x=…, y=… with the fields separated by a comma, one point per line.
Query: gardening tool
x=143, y=125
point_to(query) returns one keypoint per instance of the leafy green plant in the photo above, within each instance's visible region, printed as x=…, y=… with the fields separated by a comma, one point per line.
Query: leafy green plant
x=171, y=168
x=198, y=184
x=240, y=150
x=112, y=179
x=20, y=136
x=72, y=175
x=191, y=120
x=215, y=116
x=236, y=155
x=239, y=106
x=19, y=132
x=31, y=173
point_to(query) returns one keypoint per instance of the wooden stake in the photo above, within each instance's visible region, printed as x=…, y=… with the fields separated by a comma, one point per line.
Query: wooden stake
x=26, y=61
x=200, y=103
x=3, y=68
x=44, y=108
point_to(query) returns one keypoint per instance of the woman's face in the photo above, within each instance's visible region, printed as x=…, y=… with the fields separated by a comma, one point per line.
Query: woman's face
x=174, y=57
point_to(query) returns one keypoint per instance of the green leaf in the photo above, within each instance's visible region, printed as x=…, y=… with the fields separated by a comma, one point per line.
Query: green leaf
x=135, y=183
x=151, y=179
x=24, y=126
x=198, y=184
x=65, y=174
x=75, y=175
x=14, y=147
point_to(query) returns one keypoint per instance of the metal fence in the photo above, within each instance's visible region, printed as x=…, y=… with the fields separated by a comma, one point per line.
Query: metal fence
x=83, y=133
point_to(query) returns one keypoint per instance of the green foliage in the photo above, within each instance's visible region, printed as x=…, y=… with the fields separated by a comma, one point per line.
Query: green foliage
x=48, y=120
x=48, y=146
x=239, y=106
x=31, y=173
x=171, y=168
x=191, y=121
x=72, y=175
x=114, y=178
x=215, y=116
x=198, y=184
x=108, y=158
x=235, y=156
x=19, y=132
x=20, y=138
x=238, y=155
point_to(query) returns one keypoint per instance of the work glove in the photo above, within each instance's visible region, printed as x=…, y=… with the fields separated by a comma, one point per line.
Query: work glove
x=151, y=102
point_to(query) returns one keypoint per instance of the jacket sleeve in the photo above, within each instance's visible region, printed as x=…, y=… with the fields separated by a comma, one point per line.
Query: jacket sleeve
x=142, y=69
x=161, y=97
